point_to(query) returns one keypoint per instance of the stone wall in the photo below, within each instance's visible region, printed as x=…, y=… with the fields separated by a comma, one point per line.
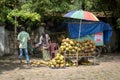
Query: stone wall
x=2, y=40
x=9, y=41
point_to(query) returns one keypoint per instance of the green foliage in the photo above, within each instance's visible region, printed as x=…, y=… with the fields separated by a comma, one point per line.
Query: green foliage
x=118, y=23
x=52, y=6
x=88, y=5
x=22, y=15
x=5, y=7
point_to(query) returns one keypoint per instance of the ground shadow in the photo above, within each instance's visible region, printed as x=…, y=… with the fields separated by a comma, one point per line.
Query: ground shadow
x=8, y=63
x=11, y=62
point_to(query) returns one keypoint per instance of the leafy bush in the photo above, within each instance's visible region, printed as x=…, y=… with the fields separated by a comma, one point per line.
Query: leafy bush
x=118, y=23
x=22, y=15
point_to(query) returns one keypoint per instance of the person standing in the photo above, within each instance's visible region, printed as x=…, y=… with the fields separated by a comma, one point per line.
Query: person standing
x=23, y=38
x=44, y=43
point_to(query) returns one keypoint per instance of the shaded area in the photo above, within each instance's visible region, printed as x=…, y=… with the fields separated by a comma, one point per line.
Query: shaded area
x=11, y=62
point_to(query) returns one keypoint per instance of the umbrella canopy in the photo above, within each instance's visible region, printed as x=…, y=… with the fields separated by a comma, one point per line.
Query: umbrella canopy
x=80, y=14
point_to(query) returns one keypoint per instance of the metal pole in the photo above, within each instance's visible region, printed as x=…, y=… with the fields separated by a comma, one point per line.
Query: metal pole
x=79, y=29
x=78, y=40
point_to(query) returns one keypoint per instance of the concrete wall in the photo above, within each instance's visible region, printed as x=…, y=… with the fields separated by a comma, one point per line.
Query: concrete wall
x=6, y=41
x=2, y=40
x=7, y=45
x=9, y=42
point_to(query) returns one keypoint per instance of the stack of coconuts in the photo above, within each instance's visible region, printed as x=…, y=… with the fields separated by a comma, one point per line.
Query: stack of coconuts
x=72, y=46
x=57, y=62
x=38, y=63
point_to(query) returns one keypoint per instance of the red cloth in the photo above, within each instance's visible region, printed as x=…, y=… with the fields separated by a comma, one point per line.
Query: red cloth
x=53, y=46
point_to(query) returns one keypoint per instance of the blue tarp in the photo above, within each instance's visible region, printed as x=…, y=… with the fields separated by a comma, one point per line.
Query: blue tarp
x=90, y=28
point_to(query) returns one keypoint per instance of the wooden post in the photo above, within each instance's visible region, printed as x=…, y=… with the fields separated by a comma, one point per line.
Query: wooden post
x=15, y=32
x=15, y=35
x=64, y=59
x=77, y=58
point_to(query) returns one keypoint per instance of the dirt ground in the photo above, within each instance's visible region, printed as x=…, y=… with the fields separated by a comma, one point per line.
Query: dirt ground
x=108, y=69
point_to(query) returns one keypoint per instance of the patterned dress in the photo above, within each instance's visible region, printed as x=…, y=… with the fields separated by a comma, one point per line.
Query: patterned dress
x=45, y=47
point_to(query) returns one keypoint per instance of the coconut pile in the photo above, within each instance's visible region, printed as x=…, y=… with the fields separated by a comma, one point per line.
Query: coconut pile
x=71, y=47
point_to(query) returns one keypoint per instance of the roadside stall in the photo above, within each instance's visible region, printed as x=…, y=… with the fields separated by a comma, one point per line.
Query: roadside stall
x=85, y=34
x=72, y=49
x=88, y=31
x=93, y=34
